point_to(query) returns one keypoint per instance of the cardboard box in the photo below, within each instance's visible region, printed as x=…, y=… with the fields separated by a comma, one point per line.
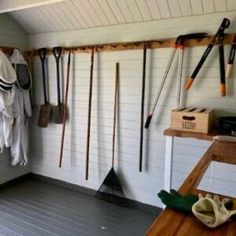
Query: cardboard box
x=192, y=119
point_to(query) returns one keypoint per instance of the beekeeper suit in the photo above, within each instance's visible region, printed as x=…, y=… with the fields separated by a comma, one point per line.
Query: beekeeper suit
x=7, y=79
x=21, y=110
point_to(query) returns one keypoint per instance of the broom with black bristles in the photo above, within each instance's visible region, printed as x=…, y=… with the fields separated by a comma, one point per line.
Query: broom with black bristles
x=110, y=189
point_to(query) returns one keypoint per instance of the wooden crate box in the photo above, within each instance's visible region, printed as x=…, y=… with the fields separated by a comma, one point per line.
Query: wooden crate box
x=192, y=119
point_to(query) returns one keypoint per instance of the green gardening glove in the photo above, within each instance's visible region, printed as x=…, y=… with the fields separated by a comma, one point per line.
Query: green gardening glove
x=176, y=201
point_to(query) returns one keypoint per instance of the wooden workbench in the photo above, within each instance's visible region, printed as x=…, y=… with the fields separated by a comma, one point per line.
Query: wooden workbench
x=173, y=223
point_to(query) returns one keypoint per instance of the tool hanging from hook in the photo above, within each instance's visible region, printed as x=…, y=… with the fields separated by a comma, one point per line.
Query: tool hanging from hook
x=229, y=67
x=218, y=38
x=65, y=111
x=142, y=108
x=178, y=43
x=89, y=112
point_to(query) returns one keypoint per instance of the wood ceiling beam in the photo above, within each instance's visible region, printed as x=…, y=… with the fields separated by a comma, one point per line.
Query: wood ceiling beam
x=15, y=5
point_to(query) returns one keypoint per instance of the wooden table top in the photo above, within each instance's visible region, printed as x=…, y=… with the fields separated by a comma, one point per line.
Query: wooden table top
x=189, y=134
x=173, y=223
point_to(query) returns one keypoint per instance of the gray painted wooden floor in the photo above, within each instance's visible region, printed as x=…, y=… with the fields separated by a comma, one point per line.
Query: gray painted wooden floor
x=33, y=207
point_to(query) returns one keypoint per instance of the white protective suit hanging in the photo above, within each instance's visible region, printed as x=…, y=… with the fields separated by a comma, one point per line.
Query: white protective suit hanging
x=22, y=111
x=6, y=118
x=7, y=75
x=7, y=72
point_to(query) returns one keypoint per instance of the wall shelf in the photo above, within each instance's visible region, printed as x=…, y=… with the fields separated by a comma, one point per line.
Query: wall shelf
x=188, y=134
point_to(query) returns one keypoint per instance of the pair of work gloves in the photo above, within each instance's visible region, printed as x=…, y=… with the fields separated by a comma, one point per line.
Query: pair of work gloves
x=211, y=211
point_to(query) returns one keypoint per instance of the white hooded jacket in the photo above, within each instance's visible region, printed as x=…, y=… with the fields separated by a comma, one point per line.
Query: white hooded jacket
x=6, y=118
x=22, y=111
x=8, y=75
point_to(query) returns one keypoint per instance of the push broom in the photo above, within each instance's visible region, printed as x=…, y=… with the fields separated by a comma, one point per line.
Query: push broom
x=110, y=189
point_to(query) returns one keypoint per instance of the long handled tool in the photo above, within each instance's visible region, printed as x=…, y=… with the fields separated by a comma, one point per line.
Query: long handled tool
x=179, y=73
x=58, y=110
x=217, y=38
x=45, y=109
x=161, y=86
x=89, y=112
x=65, y=110
x=111, y=189
x=231, y=58
x=142, y=108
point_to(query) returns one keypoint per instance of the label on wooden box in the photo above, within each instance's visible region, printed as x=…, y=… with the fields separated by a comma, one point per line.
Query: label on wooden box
x=192, y=119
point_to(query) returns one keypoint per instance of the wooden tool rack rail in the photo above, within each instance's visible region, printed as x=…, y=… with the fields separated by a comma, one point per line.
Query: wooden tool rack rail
x=173, y=223
x=151, y=44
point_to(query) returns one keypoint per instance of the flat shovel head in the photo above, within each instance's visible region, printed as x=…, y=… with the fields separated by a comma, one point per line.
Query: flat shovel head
x=44, y=115
x=58, y=113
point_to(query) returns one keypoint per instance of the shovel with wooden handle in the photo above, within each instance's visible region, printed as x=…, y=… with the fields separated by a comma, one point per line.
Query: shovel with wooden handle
x=58, y=110
x=45, y=109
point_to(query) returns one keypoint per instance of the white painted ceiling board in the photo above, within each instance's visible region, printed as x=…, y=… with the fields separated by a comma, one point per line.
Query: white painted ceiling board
x=57, y=21
x=196, y=6
x=123, y=5
x=164, y=8
x=116, y=11
x=135, y=12
x=220, y=5
x=60, y=15
x=76, y=14
x=24, y=23
x=154, y=9
x=108, y=11
x=99, y=11
x=82, y=14
x=80, y=8
x=71, y=22
x=174, y=8
x=35, y=15
x=144, y=10
x=185, y=7
x=46, y=22
x=92, y=13
x=231, y=5
x=208, y=6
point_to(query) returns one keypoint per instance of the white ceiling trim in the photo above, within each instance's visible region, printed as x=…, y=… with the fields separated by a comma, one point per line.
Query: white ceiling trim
x=15, y=5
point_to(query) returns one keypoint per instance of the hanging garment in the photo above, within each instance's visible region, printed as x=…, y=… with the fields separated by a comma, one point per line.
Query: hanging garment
x=24, y=80
x=7, y=78
x=7, y=72
x=6, y=118
x=22, y=110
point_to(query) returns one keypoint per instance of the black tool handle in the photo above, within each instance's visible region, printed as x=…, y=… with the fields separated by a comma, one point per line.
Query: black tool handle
x=142, y=108
x=89, y=112
x=65, y=110
x=149, y=118
x=232, y=54
x=229, y=67
x=222, y=70
x=198, y=67
x=42, y=52
x=116, y=97
x=220, y=33
x=57, y=55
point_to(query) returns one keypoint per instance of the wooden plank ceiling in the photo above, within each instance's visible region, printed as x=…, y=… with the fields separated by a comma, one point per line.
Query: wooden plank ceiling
x=81, y=14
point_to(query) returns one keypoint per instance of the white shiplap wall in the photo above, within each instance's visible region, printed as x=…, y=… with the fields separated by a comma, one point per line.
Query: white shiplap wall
x=11, y=35
x=139, y=186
